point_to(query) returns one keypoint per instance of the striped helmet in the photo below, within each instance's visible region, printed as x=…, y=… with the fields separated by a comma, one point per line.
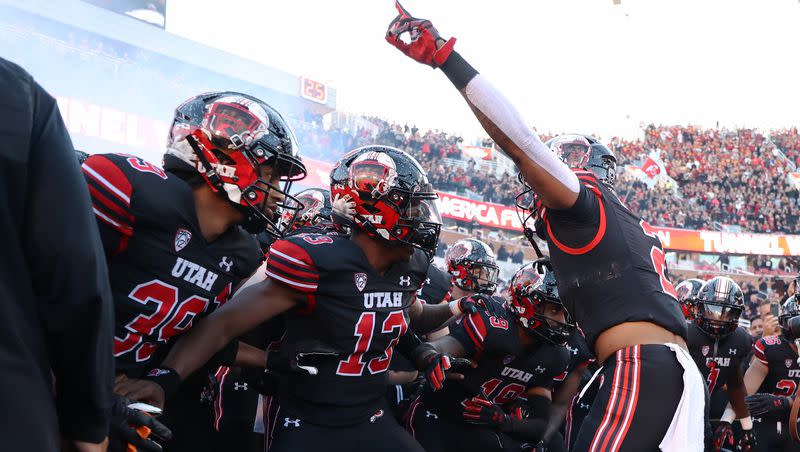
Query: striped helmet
x=720, y=302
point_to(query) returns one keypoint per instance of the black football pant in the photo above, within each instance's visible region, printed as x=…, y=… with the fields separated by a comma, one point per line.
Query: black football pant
x=189, y=418
x=773, y=435
x=640, y=388
x=236, y=405
x=381, y=433
x=577, y=412
x=440, y=434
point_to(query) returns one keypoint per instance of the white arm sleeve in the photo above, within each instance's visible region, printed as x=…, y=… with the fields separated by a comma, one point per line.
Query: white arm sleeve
x=494, y=105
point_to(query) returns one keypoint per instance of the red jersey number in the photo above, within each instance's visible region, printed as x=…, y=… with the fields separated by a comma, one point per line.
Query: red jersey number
x=354, y=365
x=168, y=319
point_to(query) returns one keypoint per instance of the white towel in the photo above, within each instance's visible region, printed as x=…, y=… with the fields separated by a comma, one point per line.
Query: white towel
x=685, y=433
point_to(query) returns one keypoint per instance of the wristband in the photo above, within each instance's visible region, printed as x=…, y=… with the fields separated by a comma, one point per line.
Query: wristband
x=728, y=415
x=458, y=70
x=167, y=378
x=747, y=423
x=455, y=308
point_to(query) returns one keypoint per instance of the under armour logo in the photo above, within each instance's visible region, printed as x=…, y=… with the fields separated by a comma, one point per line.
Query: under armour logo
x=237, y=386
x=226, y=263
x=584, y=406
x=429, y=414
x=540, y=369
x=732, y=351
x=294, y=422
x=574, y=351
x=405, y=281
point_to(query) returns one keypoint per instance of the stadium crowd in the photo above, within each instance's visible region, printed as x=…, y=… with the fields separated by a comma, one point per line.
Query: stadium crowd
x=718, y=176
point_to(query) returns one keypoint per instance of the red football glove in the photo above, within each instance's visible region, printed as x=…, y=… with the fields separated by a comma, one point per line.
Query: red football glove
x=480, y=411
x=435, y=370
x=747, y=443
x=424, y=37
x=723, y=436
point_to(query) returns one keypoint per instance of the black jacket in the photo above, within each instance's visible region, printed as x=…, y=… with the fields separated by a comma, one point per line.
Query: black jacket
x=55, y=302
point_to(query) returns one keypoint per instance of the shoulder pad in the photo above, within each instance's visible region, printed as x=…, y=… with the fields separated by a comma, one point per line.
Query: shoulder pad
x=289, y=263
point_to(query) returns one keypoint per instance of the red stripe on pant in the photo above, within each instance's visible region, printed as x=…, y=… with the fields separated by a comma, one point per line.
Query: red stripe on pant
x=630, y=410
x=614, y=402
x=622, y=402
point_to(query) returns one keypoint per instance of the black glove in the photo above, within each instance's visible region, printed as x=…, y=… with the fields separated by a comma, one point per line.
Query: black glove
x=480, y=411
x=134, y=427
x=723, y=436
x=436, y=366
x=761, y=404
x=470, y=304
x=747, y=442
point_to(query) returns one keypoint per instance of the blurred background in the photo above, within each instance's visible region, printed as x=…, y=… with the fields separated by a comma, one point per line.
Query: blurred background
x=698, y=99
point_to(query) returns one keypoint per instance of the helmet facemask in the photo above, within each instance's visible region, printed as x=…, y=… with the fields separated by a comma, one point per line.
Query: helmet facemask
x=386, y=194
x=720, y=303
x=717, y=319
x=534, y=298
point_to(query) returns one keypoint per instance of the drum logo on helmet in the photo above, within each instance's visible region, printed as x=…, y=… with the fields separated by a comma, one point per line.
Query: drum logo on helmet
x=373, y=173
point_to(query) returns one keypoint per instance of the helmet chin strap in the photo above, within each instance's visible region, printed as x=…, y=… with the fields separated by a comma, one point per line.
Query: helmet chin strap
x=210, y=173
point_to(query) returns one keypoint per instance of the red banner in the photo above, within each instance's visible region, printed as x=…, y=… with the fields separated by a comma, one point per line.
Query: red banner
x=488, y=214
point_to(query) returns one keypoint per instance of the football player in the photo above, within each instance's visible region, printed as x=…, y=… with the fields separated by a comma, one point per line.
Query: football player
x=244, y=403
x=349, y=301
x=314, y=214
x=179, y=239
x=609, y=263
x=472, y=268
x=719, y=347
x=518, y=350
x=687, y=296
x=772, y=379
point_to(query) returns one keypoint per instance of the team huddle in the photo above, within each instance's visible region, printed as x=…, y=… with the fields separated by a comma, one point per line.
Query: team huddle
x=262, y=320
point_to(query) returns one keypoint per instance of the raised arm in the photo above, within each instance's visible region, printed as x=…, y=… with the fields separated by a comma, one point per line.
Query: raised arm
x=554, y=183
x=251, y=307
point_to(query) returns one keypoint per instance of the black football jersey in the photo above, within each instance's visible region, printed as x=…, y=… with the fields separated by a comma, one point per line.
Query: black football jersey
x=579, y=352
x=777, y=354
x=436, y=288
x=506, y=369
x=163, y=273
x=348, y=328
x=609, y=263
x=718, y=359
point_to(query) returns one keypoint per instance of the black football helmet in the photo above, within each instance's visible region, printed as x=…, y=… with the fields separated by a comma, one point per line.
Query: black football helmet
x=585, y=151
x=384, y=192
x=315, y=210
x=243, y=149
x=472, y=266
x=534, y=294
x=720, y=303
x=577, y=151
x=789, y=310
x=687, y=296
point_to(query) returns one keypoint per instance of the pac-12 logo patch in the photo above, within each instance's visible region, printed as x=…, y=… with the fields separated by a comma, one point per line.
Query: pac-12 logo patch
x=182, y=237
x=788, y=363
x=361, y=281
x=705, y=350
